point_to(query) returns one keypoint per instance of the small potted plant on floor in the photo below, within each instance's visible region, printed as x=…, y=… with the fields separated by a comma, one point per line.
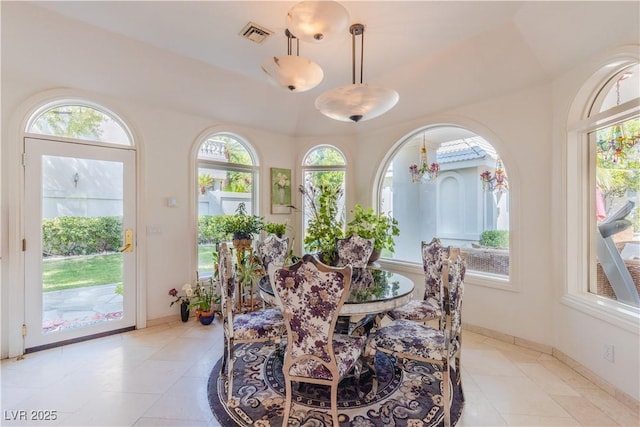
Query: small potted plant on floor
x=203, y=300
x=377, y=226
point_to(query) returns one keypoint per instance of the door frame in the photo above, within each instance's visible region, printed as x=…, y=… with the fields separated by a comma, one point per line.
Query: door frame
x=12, y=280
x=35, y=150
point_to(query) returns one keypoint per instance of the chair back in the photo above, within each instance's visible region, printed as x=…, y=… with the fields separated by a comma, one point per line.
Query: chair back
x=227, y=283
x=311, y=294
x=434, y=256
x=354, y=251
x=273, y=249
x=455, y=290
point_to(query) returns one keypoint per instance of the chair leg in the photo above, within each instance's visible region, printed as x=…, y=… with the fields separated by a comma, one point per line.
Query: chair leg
x=287, y=405
x=334, y=404
x=230, y=372
x=458, y=370
x=446, y=405
x=369, y=357
x=225, y=357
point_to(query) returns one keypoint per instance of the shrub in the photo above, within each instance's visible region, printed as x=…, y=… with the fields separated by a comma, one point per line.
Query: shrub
x=495, y=238
x=70, y=235
x=211, y=229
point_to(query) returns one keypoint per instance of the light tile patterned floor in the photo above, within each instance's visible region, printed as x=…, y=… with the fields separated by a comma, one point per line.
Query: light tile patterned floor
x=158, y=377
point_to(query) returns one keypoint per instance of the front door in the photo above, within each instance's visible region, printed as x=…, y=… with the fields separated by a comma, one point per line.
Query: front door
x=80, y=258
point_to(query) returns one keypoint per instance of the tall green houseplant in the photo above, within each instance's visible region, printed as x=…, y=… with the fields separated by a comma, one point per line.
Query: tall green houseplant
x=325, y=225
x=377, y=226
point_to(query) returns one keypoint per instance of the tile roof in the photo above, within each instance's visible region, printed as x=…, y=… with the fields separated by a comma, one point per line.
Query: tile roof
x=465, y=149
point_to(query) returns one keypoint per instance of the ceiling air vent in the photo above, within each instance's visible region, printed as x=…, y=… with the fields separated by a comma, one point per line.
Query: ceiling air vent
x=255, y=32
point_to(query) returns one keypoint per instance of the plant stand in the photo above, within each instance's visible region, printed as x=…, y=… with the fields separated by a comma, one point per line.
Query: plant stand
x=241, y=247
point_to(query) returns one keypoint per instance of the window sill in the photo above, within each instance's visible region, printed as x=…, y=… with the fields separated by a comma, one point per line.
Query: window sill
x=623, y=316
x=471, y=278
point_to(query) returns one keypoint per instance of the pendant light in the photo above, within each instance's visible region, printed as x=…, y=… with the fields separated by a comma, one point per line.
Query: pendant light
x=317, y=21
x=357, y=101
x=293, y=72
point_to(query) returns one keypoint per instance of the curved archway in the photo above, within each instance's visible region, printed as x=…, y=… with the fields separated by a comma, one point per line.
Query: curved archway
x=432, y=184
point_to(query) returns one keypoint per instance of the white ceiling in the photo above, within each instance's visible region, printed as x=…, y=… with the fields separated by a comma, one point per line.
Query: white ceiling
x=436, y=54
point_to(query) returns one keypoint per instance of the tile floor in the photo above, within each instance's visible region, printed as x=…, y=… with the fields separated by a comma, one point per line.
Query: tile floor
x=158, y=377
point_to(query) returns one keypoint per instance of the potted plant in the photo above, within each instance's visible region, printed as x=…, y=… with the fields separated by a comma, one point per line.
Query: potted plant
x=242, y=226
x=249, y=269
x=277, y=229
x=326, y=224
x=203, y=300
x=377, y=226
x=182, y=299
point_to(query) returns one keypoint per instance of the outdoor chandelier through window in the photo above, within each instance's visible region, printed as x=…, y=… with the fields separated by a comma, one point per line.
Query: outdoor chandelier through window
x=424, y=172
x=293, y=72
x=358, y=101
x=496, y=182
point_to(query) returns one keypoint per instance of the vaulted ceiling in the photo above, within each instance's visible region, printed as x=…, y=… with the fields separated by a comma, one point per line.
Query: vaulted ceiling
x=436, y=54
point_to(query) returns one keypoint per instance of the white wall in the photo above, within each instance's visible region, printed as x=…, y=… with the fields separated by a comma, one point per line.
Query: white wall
x=522, y=125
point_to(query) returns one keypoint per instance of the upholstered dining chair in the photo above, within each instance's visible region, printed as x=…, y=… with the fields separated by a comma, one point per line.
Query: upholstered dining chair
x=311, y=294
x=272, y=250
x=434, y=257
x=354, y=251
x=410, y=340
x=258, y=326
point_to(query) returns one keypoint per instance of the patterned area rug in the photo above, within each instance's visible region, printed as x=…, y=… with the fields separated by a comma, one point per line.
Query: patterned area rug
x=406, y=396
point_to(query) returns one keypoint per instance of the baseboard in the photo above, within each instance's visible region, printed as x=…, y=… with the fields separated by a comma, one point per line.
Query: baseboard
x=165, y=320
x=576, y=366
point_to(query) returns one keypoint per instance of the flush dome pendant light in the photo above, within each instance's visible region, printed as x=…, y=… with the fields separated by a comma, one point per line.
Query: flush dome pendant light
x=358, y=101
x=317, y=21
x=293, y=72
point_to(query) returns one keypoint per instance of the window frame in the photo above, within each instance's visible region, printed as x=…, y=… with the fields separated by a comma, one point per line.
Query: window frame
x=304, y=168
x=253, y=169
x=507, y=283
x=580, y=178
x=73, y=102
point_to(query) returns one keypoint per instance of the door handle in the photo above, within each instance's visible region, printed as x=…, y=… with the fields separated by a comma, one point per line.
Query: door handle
x=128, y=241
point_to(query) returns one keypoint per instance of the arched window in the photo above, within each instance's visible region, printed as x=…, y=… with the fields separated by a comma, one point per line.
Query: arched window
x=79, y=120
x=611, y=138
x=323, y=169
x=227, y=177
x=447, y=182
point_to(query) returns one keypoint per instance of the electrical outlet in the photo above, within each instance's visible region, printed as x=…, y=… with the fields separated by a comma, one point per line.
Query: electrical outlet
x=608, y=352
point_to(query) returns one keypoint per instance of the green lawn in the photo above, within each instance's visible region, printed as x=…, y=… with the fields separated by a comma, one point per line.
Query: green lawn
x=91, y=270
x=81, y=271
x=205, y=261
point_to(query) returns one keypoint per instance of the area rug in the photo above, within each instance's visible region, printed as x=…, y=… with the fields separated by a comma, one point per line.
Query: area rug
x=408, y=395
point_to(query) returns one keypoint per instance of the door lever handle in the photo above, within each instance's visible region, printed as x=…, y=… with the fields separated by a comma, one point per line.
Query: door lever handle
x=128, y=241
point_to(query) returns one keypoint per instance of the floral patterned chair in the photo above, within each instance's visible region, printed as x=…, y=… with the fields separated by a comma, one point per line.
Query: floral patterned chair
x=257, y=326
x=311, y=294
x=273, y=249
x=354, y=251
x=410, y=340
x=434, y=257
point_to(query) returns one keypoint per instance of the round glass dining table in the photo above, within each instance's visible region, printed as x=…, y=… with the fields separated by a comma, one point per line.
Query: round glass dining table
x=372, y=291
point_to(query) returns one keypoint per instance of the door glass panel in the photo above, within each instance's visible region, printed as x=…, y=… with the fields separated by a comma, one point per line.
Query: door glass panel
x=82, y=232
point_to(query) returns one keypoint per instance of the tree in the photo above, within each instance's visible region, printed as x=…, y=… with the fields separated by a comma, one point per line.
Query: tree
x=72, y=121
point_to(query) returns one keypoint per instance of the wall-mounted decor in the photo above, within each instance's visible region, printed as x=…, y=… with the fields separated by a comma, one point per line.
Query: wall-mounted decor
x=280, y=191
